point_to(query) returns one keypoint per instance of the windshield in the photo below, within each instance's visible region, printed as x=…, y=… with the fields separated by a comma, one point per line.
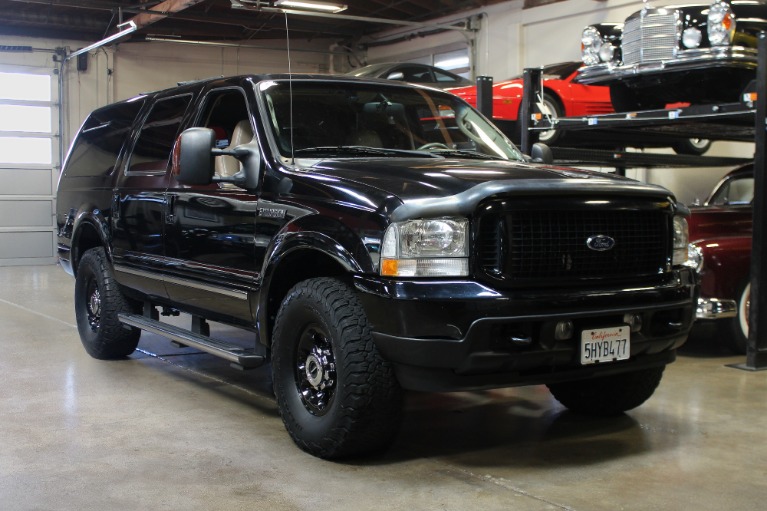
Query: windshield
x=735, y=191
x=342, y=119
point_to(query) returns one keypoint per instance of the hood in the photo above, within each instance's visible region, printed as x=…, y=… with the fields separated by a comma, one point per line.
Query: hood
x=435, y=186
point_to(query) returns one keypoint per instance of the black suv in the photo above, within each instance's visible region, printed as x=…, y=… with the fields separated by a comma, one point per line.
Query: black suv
x=372, y=236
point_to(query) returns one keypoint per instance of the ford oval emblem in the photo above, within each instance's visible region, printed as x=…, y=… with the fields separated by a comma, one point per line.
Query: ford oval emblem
x=600, y=243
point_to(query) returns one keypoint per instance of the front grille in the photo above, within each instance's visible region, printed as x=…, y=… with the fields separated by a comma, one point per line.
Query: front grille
x=650, y=36
x=545, y=246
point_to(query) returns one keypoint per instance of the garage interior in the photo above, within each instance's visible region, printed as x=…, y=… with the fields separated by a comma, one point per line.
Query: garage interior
x=175, y=428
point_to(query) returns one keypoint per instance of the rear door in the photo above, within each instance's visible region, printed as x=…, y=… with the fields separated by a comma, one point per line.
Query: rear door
x=139, y=199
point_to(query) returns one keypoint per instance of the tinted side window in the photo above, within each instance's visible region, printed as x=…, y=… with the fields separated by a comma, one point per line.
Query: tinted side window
x=158, y=134
x=101, y=139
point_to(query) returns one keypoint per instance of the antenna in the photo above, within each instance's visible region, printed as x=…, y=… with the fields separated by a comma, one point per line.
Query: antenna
x=290, y=92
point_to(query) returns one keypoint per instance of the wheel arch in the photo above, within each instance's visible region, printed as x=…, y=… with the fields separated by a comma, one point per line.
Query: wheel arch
x=297, y=258
x=90, y=231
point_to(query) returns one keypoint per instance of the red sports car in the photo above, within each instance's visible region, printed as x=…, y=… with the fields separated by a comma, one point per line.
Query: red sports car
x=563, y=98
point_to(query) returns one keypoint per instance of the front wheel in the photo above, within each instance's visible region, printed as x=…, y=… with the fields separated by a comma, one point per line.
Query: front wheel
x=337, y=396
x=553, y=111
x=98, y=301
x=608, y=395
x=736, y=334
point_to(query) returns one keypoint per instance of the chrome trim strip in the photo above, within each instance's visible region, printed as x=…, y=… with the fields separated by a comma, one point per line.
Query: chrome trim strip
x=233, y=293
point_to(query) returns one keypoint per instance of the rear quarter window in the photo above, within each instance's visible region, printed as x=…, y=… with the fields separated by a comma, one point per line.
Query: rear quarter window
x=101, y=138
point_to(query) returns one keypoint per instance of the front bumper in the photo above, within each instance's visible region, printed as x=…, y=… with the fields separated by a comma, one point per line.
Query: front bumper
x=716, y=308
x=462, y=335
x=688, y=60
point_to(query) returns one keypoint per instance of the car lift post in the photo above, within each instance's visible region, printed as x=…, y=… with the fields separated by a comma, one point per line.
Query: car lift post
x=756, y=354
x=531, y=79
x=485, y=96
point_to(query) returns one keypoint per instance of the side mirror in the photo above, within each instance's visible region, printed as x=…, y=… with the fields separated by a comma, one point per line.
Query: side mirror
x=541, y=153
x=192, y=162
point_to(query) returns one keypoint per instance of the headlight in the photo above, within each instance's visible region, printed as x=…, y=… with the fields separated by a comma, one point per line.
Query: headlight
x=681, y=239
x=426, y=248
x=607, y=52
x=591, y=43
x=691, y=37
x=721, y=24
x=694, y=258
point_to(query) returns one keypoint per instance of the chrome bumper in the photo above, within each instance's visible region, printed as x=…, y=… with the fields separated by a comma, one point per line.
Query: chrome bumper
x=714, y=308
x=687, y=60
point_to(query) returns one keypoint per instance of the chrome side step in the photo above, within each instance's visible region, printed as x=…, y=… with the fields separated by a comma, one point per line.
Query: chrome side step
x=239, y=357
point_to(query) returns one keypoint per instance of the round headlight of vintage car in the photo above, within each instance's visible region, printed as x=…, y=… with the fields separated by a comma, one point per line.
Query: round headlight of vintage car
x=591, y=43
x=607, y=52
x=691, y=37
x=721, y=24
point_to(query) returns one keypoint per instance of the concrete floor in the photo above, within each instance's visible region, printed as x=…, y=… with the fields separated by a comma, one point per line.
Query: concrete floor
x=172, y=429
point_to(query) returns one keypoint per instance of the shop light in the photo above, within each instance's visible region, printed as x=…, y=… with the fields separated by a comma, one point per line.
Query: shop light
x=309, y=5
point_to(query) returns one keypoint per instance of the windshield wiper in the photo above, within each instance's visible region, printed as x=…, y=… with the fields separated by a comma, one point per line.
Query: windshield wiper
x=466, y=153
x=358, y=150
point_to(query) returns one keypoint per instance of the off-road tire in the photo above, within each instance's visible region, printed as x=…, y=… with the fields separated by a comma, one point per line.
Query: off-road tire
x=98, y=301
x=608, y=395
x=337, y=396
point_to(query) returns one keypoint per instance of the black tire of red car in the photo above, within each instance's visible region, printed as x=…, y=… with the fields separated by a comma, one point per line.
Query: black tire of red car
x=626, y=99
x=608, y=395
x=735, y=333
x=98, y=301
x=553, y=105
x=337, y=396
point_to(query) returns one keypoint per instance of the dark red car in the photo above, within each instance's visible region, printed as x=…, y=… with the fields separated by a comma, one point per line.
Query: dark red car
x=720, y=236
x=564, y=98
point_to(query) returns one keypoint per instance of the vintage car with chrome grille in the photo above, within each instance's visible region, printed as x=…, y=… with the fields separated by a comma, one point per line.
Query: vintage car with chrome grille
x=692, y=53
x=721, y=231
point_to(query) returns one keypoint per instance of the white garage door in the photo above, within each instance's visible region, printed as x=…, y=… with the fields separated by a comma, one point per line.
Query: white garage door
x=28, y=165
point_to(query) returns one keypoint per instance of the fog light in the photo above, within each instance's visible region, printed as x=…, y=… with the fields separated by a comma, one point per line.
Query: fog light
x=634, y=321
x=564, y=330
x=691, y=37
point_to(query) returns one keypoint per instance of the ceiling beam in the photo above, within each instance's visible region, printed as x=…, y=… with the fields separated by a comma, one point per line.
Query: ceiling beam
x=162, y=11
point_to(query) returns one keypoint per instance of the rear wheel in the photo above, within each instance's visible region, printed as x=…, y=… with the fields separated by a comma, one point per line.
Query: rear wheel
x=608, y=395
x=337, y=396
x=98, y=301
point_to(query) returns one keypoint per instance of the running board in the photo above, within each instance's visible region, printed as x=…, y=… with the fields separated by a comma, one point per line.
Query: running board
x=240, y=358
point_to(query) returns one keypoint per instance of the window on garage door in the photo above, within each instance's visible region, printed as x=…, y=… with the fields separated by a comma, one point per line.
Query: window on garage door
x=28, y=165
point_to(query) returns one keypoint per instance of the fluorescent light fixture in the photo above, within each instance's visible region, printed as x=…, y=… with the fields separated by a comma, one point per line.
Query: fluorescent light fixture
x=309, y=5
x=130, y=28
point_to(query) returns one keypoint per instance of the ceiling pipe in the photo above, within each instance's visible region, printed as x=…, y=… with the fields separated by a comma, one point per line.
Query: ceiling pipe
x=256, y=6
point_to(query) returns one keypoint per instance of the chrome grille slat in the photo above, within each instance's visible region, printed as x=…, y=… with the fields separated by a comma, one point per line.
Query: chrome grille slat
x=651, y=37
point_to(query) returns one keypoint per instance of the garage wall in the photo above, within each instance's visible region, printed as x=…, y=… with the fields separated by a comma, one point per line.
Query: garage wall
x=512, y=38
x=122, y=71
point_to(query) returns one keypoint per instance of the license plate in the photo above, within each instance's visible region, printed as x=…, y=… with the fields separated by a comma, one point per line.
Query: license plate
x=605, y=345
